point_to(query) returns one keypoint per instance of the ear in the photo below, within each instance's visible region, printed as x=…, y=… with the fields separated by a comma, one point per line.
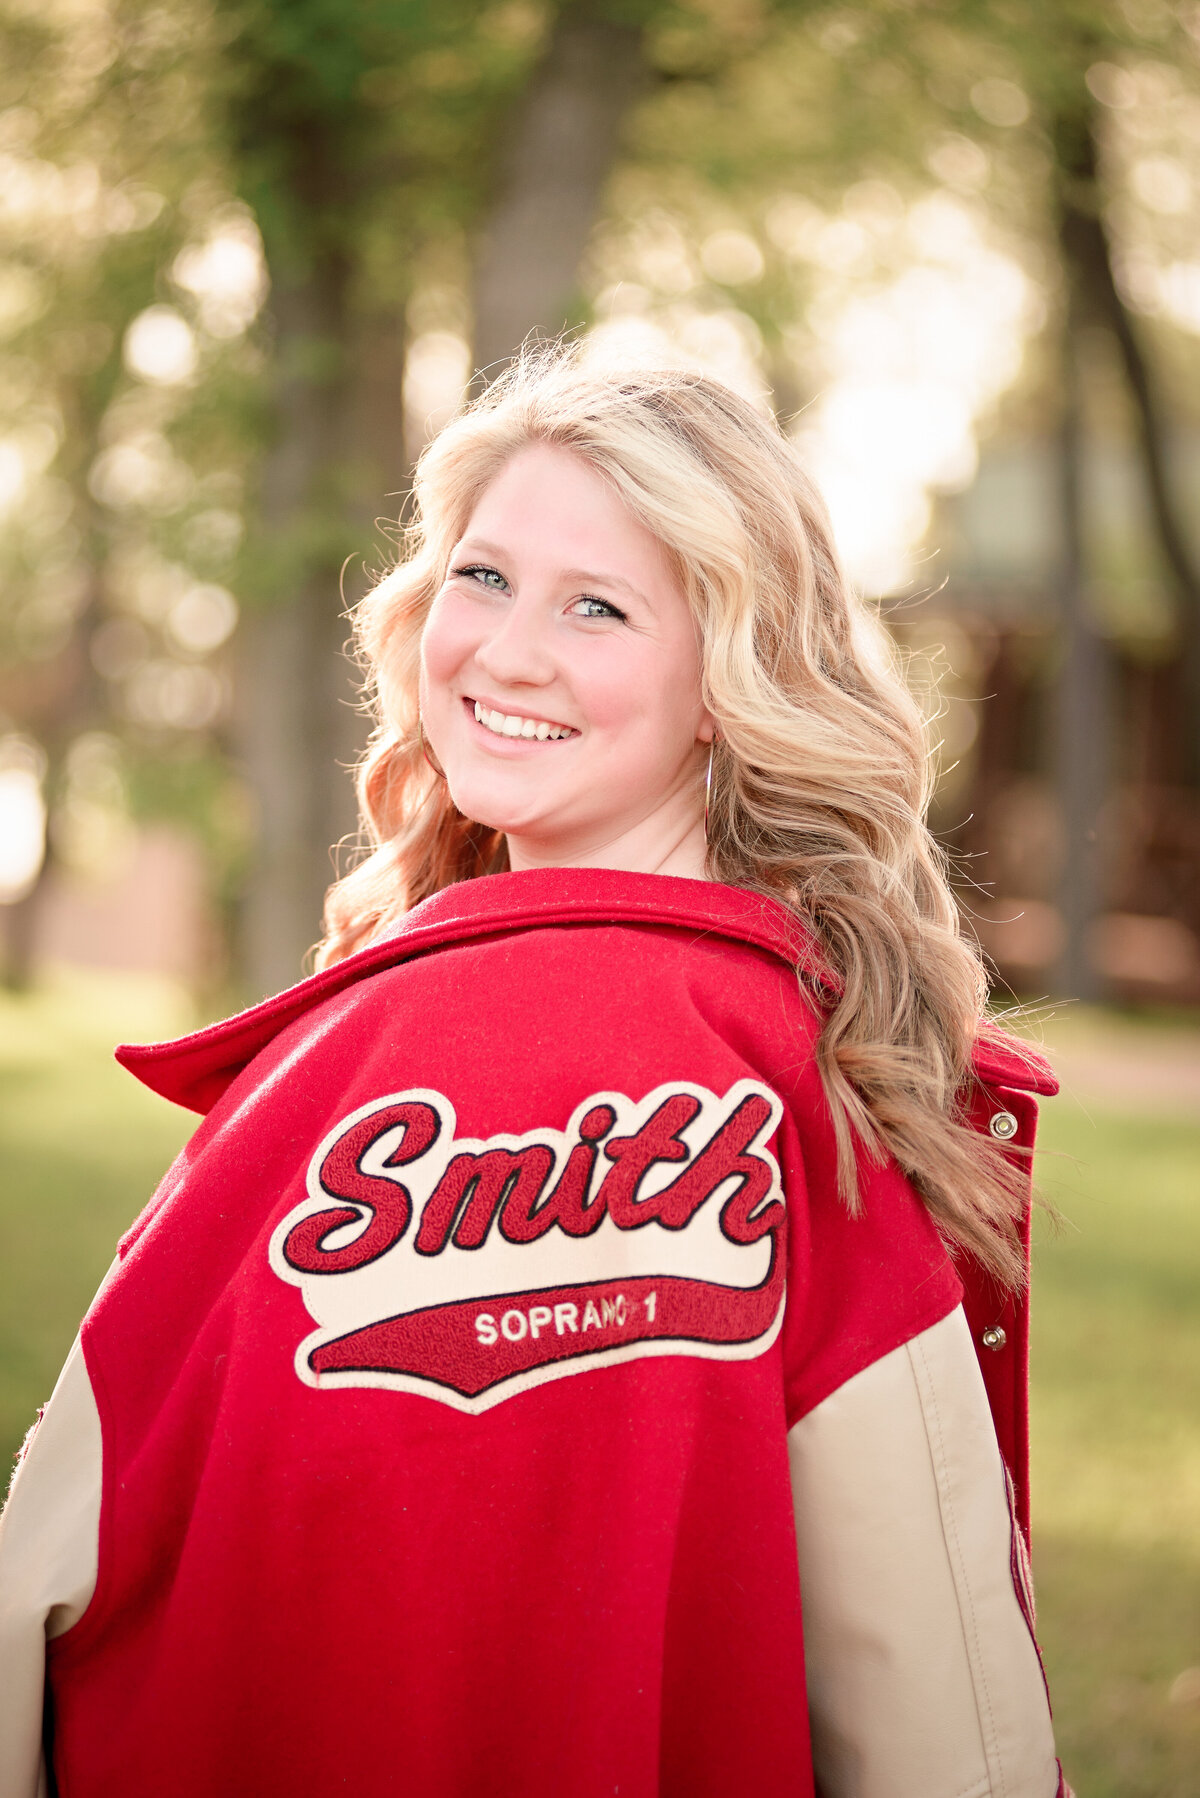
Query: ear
x=706, y=730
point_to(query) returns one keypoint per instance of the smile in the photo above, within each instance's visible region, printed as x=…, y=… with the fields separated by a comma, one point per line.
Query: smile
x=508, y=724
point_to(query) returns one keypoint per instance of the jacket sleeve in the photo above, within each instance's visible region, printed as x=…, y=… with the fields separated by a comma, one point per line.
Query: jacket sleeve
x=924, y=1679
x=49, y=1546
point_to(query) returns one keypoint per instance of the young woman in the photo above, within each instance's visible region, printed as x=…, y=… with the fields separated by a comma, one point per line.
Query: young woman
x=560, y=1362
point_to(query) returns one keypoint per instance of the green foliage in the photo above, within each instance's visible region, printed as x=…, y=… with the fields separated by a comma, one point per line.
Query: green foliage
x=365, y=143
x=112, y=172
x=337, y=118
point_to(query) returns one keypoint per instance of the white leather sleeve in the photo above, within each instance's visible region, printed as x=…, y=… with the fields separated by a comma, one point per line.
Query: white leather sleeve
x=49, y=1551
x=923, y=1677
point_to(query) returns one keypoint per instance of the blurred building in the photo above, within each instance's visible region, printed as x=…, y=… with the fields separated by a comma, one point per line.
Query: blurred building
x=144, y=907
x=1003, y=816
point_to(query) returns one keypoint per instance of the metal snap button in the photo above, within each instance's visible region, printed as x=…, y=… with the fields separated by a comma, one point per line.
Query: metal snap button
x=994, y=1337
x=1003, y=1125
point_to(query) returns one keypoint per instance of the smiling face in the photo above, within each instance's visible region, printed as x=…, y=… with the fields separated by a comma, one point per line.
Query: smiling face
x=560, y=677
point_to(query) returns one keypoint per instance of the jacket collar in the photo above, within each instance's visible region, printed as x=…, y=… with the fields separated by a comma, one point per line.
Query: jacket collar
x=195, y=1070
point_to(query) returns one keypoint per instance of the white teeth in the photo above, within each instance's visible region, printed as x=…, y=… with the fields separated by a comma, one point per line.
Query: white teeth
x=507, y=724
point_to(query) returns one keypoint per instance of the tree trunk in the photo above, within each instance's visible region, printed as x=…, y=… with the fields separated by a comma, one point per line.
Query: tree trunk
x=1083, y=710
x=555, y=160
x=339, y=410
x=79, y=704
x=299, y=726
x=20, y=919
x=1088, y=252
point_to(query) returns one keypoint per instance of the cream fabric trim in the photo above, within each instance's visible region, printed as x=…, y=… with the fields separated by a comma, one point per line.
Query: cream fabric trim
x=49, y=1551
x=923, y=1678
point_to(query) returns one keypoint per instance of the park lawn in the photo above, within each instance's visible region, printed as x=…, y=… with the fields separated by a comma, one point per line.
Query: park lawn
x=82, y=1147
x=1116, y=1446
x=1116, y=1395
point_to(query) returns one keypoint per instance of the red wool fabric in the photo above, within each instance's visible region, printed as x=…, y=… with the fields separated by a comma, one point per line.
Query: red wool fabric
x=445, y=1381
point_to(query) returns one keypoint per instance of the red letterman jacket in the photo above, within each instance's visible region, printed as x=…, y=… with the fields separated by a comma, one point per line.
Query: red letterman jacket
x=446, y=1380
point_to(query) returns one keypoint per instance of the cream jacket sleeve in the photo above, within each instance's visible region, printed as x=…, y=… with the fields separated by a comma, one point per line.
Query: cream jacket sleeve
x=923, y=1677
x=49, y=1536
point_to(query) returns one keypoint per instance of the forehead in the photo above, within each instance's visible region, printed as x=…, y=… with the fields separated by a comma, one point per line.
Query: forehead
x=548, y=506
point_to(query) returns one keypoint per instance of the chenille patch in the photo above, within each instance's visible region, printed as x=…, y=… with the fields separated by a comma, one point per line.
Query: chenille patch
x=470, y=1270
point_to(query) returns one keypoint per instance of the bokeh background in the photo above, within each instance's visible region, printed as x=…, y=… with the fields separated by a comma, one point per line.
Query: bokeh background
x=254, y=252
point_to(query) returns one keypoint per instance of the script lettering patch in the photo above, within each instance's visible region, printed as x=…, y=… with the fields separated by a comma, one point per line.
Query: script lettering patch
x=471, y=1270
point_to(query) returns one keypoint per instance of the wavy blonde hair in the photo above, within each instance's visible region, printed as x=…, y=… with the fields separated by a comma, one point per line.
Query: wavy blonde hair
x=822, y=772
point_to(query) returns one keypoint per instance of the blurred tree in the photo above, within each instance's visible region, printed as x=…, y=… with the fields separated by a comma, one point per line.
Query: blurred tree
x=1088, y=266
x=1010, y=109
x=103, y=177
x=1082, y=745
x=557, y=149
x=733, y=173
x=1082, y=59
x=363, y=141
x=355, y=137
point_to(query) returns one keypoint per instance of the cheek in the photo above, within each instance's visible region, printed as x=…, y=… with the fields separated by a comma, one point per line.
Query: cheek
x=651, y=701
x=446, y=642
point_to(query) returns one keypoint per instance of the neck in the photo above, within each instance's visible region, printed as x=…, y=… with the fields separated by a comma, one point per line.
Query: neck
x=643, y=850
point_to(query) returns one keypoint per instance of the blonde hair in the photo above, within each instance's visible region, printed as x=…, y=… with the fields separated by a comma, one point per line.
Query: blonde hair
x=821, y=776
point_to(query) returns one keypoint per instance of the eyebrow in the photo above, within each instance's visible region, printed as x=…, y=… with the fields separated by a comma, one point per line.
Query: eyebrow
x=566, y=574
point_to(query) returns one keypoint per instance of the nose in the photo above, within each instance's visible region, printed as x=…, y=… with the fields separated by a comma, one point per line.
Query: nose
x=517, y=650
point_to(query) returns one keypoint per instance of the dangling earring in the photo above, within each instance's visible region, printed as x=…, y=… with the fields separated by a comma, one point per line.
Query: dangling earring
x=440, y=772
x=708, y=785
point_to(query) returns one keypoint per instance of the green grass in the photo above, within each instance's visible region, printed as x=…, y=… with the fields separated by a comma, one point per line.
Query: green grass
x=82, y=1147
x=1116, y=1422
x=1116, y=1348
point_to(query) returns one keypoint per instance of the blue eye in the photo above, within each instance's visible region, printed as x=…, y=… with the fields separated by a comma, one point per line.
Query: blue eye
x=602, y=607
x=487, y=577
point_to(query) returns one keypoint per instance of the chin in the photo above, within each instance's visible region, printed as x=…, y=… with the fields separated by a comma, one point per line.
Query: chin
x=476, y=801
